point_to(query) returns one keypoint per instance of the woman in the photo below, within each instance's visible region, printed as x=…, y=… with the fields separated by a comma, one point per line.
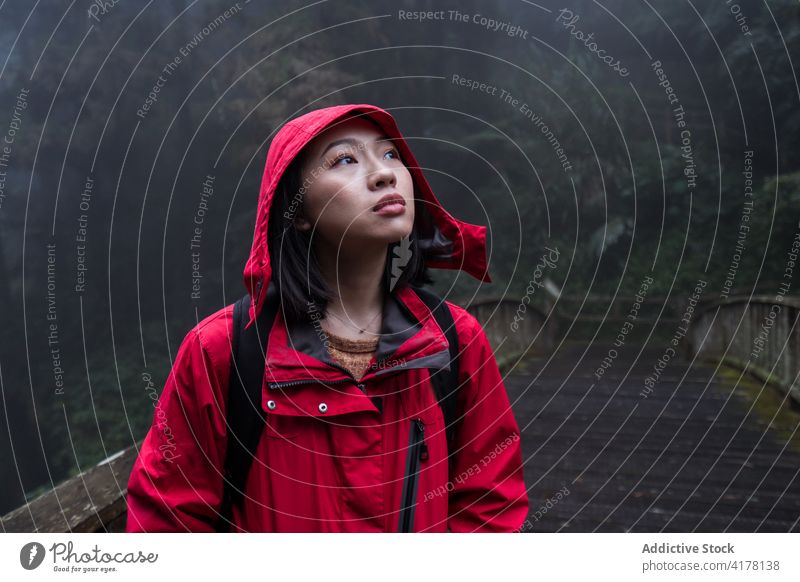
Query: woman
x=346, y=228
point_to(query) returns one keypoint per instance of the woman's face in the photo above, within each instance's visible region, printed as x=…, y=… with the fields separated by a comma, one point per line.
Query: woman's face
x=351, y=172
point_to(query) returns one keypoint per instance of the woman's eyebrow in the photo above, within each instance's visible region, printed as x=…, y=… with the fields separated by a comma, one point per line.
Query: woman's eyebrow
x=351, y=141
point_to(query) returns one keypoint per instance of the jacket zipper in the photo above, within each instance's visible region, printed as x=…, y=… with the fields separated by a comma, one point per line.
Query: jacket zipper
x=361, y=386
x=417, y=451
x=298, y=382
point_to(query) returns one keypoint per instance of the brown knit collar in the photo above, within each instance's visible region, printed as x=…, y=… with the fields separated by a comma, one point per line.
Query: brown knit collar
x=352, y=346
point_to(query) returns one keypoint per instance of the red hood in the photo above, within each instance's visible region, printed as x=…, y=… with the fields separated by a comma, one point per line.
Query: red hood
x=447, y=243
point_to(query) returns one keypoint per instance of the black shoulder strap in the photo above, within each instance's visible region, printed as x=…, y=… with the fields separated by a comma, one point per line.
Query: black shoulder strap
x=245, y=417
x=445, y=383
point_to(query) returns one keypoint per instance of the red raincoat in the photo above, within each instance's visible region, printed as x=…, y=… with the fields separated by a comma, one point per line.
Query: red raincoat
x=339, y=467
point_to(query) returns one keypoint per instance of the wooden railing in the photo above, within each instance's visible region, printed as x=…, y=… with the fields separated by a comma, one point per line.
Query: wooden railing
x=93, y=501
x=757, y=334
x=513, y=327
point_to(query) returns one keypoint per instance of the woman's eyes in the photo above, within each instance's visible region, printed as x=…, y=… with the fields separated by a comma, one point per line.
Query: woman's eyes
x=340, y=158
x=393, y=152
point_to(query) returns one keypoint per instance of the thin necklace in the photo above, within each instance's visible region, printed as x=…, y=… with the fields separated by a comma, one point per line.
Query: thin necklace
x=360, y=330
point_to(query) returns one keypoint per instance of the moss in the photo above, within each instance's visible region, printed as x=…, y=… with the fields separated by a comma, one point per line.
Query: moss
x=770, y=403
x=520, y=364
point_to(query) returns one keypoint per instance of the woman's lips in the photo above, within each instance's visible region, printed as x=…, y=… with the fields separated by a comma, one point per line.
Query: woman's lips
x=391, y=209
x=391, y=205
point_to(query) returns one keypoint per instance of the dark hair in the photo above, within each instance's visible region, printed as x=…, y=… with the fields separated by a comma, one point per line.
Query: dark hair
x=295, y=271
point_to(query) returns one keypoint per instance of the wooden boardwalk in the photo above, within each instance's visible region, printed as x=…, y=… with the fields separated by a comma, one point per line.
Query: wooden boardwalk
x=691, y=456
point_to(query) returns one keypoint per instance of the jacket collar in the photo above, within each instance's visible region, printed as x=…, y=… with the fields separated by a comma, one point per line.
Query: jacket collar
x=410, y=338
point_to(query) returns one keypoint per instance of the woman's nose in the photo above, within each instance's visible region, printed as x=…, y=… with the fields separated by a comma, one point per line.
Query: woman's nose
x=381, y=176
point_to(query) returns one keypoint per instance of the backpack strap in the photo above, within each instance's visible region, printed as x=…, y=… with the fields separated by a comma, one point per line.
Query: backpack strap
x=245, y=416
x=445, y=383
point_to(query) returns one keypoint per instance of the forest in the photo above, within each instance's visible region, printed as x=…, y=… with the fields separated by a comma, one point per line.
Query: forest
x=639, y=141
